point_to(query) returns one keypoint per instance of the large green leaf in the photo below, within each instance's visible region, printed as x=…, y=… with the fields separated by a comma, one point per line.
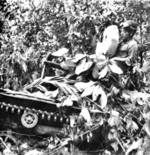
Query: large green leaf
x=88, y=91
x=61, y=52
x=115, y=68
x=81, y=86
x=78, y=57
x=95, y=72
x=103, y=72
x=80, y=66
x=83, y=66
x=103, y=98
x=86, y=115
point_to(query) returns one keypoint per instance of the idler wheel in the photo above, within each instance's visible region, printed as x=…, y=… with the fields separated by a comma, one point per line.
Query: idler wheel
x=29, y=119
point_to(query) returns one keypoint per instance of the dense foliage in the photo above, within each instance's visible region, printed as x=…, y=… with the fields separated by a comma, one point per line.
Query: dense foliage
x=33, y=30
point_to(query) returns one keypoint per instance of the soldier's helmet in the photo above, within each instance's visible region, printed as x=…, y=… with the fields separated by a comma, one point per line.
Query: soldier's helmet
x=130, y=25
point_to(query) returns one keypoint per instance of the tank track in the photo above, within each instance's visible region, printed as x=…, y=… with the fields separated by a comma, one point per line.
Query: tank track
x=83, y=137
x=44, y=115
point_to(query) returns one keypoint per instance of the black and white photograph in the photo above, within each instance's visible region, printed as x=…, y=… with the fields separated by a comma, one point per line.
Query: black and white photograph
x=74, y=77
